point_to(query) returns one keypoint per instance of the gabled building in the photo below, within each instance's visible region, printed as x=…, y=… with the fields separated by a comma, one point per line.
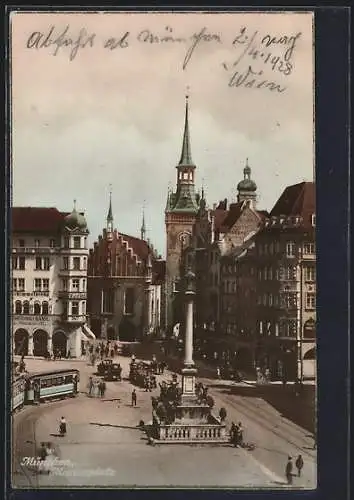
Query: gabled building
x=286, y=286
x=225, y=230
x=125, y=284
x=49, y=281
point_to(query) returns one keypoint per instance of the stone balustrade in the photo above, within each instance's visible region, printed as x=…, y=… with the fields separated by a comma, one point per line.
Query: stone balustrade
x=191, y=433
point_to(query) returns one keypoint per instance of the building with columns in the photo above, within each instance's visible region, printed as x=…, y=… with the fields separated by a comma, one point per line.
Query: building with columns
x=125, y=284
x=49, y=281
x=180, y=214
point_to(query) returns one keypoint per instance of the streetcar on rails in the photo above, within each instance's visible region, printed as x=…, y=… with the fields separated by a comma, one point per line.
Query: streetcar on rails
x=18, y=390
x=45, y=386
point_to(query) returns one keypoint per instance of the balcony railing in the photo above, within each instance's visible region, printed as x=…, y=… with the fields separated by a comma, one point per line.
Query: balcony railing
x=71, y=269
x=72, y=295
x=36, y=293
x=71, y=318
x=36, y=319
x=35, y=250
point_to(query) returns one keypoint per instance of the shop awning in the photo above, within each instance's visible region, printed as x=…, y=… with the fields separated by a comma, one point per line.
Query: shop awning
x=88, y=333
x=83, y=337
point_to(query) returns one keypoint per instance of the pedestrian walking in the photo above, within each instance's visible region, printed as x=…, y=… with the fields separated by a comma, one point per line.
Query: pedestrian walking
x=299, y=465
x=90, y=386
x=134, y=397
x=103, y=388
x=100, y=388
x=43, y=452
x=289, y=471
x=239, y=434
x=112, y=353
x=62, y=426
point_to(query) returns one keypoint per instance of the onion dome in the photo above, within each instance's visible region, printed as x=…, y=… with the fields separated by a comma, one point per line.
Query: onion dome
x=247, y=184
x=75, y=220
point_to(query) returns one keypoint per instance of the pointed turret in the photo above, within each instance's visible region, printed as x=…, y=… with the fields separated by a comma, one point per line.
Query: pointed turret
x=143, y=228
x=186, y=155
x=110, y=217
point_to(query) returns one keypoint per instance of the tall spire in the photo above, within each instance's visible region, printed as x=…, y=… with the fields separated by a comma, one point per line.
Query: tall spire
x=143, y=228
x=110, y=213
x=186, y=155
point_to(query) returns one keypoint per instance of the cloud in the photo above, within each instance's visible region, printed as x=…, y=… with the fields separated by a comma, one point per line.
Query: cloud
x=117, y=116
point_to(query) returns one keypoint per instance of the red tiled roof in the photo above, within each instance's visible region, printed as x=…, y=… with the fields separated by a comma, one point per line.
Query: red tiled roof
x=139, y=247
x=297, y=200
x=36, y=219
x=219, y=215
x=234, y=213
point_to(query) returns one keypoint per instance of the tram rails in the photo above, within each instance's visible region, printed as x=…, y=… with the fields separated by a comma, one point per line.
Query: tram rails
x=286, y=433
x=35, y=388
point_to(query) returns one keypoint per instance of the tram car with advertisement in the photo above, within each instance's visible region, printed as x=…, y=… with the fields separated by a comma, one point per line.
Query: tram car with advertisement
x=45, y=386
x=18, y=390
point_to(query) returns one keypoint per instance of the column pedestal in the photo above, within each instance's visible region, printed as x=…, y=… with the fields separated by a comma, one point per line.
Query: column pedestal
x=30, y=345
x=50, y=344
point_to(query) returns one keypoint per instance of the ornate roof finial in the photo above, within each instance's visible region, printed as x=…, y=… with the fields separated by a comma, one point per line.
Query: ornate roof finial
x=143, y=228
x=186, y=155
x=74, y=205
x=110, y=213
x=247, y=170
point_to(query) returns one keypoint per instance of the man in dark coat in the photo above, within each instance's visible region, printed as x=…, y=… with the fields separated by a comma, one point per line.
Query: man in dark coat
x=134, y=397
x=289, y=471
x=299, y=465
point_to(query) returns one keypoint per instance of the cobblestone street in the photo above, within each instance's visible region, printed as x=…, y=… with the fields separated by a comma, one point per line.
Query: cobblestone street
x=105, y=447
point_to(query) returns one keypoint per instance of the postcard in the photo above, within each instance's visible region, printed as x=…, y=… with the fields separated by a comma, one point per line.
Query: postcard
x=163, y=250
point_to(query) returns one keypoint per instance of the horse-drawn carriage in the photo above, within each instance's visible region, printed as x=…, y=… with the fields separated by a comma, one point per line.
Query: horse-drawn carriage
x=142, y=374
x=103, y=367
x=113, y=372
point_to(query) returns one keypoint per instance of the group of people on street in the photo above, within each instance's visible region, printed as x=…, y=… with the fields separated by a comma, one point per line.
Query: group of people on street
x=96, y=388
x=289, y=474
x=104, y=349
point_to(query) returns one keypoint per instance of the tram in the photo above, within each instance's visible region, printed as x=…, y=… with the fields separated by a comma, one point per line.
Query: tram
x=18, y=393
x=45, y=386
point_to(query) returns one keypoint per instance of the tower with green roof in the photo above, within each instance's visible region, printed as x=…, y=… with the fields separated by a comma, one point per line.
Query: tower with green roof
x=181, y=209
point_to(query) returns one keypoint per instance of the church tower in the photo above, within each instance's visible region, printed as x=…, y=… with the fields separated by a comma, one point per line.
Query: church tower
x=247, y=188
x=181, y=209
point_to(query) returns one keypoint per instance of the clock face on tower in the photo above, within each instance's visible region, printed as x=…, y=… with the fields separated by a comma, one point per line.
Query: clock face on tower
x=184, y=238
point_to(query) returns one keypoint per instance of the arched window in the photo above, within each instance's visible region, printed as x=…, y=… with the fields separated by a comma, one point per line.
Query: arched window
x=45, y=308
x=37, y=308
x=18, y=307
x=26, y=307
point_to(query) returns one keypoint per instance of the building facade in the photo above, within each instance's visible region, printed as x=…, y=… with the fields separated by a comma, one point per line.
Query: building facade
x=180, y=213
x=49, y=281
x=223, y=235
x=125, y=285
x=286, y=288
